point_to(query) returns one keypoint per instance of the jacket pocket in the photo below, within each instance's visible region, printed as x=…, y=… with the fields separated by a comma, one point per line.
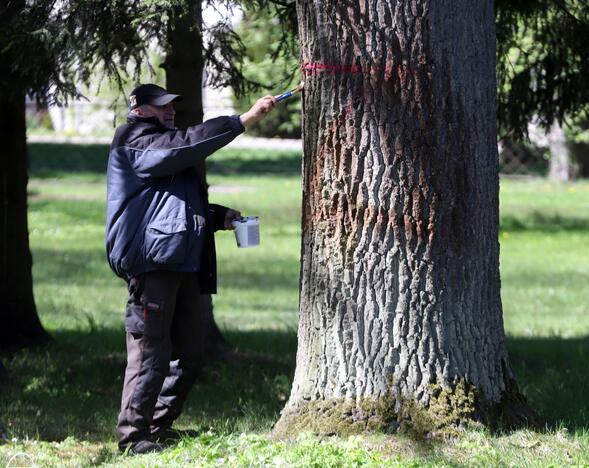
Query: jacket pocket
x=165, y=241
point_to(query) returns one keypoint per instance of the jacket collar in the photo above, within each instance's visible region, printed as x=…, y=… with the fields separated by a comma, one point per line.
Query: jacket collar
x=133, y=118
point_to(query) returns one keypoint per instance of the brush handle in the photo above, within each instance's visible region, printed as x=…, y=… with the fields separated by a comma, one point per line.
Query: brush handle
x=284, y=96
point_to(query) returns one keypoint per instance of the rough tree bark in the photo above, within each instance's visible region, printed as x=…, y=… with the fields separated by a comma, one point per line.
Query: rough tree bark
x=18, y=314
x=400, y=310
x=184, y=66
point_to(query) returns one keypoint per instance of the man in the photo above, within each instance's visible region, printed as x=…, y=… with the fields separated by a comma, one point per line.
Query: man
x=159, y=238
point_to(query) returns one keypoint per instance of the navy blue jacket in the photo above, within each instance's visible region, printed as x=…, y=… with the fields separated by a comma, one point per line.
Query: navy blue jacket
x=158, y=216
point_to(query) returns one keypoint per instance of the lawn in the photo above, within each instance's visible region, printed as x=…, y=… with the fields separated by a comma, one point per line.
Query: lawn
x=61, y=404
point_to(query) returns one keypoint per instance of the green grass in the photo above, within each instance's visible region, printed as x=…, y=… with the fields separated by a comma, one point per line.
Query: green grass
x=61, y=404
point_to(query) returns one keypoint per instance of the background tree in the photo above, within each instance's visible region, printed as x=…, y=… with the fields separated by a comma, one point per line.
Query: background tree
x=191, y=47
x=268, y=61
x=543, y=64
x=184, y=64
x=49, y=50
x=400, y=308
x=45, y=51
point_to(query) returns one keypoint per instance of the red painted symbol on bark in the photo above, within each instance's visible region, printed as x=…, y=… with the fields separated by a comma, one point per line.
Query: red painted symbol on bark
x=352, y=69
x=317, y=67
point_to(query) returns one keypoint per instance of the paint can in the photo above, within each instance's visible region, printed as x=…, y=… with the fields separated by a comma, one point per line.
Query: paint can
x=247, y=231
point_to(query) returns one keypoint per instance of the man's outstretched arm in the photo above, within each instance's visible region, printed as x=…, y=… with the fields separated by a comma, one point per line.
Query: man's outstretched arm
x=175, y=150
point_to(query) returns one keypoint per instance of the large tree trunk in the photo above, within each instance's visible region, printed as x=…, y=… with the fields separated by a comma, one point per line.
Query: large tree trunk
x=20, y=325
x=184, y=68
x=400, y=309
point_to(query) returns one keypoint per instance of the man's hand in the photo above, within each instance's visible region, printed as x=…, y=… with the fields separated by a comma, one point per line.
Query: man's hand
x=230, y=216
x=258, y=111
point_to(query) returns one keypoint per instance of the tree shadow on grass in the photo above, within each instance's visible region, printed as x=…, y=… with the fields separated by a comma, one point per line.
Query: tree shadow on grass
x=51, y=159
x=72, y=387
x=283, y=164
x=566, y=279
x=48, y=160
x=542, y=222
x=553, y=374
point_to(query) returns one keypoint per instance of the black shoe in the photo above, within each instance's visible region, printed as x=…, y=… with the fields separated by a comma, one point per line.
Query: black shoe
x=144, y=446
x=170, y=436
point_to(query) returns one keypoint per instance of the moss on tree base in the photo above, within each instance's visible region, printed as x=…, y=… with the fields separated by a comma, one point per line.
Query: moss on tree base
x=448, y=410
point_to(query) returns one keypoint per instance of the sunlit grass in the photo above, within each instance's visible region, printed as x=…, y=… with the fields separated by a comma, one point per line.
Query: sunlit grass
x=61, y=405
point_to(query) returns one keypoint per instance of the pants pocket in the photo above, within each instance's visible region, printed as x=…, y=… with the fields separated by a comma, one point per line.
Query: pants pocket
x=146, y=319
x=134, y=322
x=153, y=314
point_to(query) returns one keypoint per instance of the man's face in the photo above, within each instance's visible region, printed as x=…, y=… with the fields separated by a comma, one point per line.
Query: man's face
x=165, y=114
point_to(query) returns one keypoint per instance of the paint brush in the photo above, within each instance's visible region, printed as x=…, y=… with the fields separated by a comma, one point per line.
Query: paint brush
x=292, y=92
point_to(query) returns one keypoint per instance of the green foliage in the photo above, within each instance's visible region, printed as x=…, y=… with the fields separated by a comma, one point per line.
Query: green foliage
x=278, y=71
x=543, y=62
x=578, y=129
x=49, y=49
x=225, y=50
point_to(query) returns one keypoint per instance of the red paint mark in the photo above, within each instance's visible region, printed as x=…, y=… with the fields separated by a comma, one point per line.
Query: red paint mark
x=351, y=69
x=318, y=67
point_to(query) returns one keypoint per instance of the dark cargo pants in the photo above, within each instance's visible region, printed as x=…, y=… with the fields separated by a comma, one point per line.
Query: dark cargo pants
x=163, y=351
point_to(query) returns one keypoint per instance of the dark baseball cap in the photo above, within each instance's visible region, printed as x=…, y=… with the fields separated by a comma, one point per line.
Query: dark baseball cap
x=151, y=94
